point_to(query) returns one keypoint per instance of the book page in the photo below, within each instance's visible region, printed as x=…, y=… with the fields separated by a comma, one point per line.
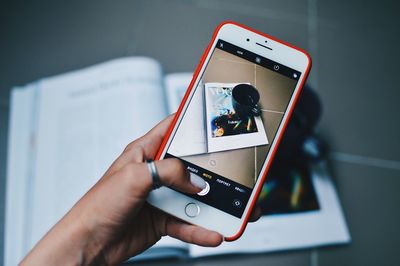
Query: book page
x=166, y=247
x=85, y=120
x=20, y=150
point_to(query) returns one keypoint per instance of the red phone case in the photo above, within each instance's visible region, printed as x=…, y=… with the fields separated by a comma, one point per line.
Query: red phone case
x=185, y=97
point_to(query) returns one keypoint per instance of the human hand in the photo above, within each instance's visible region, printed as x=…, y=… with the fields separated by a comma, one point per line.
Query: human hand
x=112, y=221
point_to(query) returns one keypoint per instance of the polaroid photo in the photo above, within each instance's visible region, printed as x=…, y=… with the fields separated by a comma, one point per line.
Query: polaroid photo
x=225, y=129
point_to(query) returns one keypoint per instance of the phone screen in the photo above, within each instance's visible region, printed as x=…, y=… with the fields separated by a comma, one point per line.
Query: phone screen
x=230, y=123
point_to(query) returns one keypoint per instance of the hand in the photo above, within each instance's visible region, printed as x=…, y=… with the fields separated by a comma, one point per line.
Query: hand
x=113, y=222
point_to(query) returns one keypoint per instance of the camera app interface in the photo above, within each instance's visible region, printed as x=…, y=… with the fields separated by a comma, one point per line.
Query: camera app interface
x=230, y=123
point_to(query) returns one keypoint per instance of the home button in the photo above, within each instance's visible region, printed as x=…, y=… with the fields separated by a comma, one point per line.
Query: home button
x=192, y=209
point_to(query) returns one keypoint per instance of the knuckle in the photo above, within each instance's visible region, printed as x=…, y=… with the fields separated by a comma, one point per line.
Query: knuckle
x=136, y=178
x=134, y=144
x=137, y=154
x=129, y=146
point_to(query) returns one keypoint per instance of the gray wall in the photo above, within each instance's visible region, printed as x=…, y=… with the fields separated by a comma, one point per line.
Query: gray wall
x=354, y=50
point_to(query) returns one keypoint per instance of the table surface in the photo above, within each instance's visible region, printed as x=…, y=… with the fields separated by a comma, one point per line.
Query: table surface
x=353, y=46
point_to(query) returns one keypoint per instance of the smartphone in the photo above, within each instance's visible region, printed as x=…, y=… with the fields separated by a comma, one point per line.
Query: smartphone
x=229, y=125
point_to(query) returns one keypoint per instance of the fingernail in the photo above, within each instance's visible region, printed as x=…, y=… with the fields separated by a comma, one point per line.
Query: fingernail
x=197, y=181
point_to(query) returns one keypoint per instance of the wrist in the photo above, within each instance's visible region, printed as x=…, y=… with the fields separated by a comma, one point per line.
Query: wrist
x=88, y=244
x=69, y=242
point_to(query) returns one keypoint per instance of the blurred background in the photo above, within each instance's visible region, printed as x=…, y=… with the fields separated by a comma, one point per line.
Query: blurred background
x=355, y=55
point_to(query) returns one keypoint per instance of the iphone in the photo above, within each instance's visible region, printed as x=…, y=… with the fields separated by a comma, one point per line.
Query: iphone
x=229, y=125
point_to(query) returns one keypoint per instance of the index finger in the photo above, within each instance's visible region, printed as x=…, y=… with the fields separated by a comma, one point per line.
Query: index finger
x=192, y=233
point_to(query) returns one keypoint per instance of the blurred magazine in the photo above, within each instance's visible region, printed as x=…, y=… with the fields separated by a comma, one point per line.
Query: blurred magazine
x=225, y=129
x=66, y=130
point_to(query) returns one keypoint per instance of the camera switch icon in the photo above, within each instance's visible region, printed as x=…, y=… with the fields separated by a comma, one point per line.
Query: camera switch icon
x=237, y=203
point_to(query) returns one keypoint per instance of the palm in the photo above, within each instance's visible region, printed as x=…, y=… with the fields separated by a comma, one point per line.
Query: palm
x=140, y=234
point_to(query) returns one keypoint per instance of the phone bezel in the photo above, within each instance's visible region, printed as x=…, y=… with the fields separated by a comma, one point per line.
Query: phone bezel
x=174, y=202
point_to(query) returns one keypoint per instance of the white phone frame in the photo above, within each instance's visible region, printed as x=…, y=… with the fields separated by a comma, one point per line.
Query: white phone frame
x=173, y=202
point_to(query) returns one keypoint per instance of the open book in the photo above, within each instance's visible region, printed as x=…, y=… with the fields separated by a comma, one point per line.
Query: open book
x=66, y=130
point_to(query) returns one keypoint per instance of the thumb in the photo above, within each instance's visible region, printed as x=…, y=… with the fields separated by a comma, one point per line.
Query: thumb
x=173, y=173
